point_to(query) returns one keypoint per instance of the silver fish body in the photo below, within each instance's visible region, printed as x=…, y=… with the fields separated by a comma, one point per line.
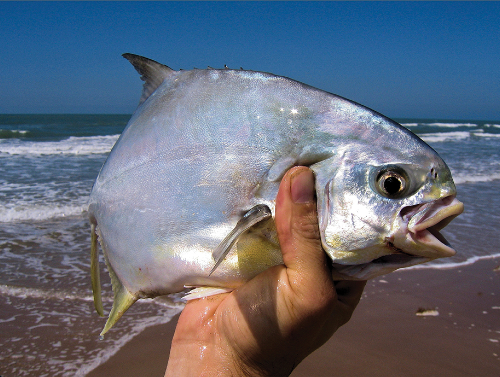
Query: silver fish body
x=206, y=146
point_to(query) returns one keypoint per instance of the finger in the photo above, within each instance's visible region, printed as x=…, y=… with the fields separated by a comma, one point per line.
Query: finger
x=298, y=230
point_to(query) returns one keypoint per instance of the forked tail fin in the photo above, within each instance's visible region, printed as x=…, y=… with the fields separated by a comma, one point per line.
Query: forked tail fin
x=94, y=269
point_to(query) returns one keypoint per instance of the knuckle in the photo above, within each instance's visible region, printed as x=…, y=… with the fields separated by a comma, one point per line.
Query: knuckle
x=307, y=227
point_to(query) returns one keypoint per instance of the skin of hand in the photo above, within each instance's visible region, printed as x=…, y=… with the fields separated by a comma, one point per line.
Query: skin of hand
x=270, y=324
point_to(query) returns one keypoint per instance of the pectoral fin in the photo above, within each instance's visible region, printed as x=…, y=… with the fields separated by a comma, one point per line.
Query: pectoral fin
x=201, y=292
x=255, y=215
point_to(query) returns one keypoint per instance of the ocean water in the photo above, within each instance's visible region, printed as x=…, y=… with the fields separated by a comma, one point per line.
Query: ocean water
x=48, y=326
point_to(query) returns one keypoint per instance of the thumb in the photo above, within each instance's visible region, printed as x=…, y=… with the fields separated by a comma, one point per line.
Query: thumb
x=298, y=230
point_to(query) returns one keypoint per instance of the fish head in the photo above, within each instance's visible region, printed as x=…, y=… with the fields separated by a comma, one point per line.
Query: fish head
x=382, y=208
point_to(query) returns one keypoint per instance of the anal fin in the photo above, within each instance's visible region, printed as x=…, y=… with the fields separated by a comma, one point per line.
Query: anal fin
x=122, y=300
x=94, y=270
x=255, y=215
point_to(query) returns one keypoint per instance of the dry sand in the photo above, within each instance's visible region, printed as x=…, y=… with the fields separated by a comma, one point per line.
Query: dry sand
x=385, y=337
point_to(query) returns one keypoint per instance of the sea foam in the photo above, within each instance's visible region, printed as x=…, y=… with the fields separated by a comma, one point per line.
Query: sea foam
x=449, y=265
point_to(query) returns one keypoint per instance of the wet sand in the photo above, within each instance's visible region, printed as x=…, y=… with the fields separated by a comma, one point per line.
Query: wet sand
x=385, y=337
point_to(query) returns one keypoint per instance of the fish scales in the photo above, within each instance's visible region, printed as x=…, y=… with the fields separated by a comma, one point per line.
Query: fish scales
x=187, y=194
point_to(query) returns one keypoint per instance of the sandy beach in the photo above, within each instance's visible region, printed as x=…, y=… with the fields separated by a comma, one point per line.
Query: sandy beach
x=385, y=336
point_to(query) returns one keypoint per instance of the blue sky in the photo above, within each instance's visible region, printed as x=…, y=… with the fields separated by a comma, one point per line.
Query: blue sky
x=416, y=59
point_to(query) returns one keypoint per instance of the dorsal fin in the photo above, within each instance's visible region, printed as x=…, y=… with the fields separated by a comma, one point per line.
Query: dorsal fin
x=152, y=73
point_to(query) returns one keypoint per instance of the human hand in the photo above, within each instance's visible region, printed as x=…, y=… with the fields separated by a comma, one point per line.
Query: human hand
x=271, y=323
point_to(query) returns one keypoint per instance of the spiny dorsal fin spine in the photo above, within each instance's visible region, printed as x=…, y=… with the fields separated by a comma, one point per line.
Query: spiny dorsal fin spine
x=152, y=73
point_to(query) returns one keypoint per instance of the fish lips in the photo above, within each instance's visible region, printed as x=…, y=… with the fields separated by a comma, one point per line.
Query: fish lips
x=418, y=228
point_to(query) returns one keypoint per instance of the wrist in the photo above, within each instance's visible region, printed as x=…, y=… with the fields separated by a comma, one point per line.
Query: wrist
x=200, y=359
x=196, y=359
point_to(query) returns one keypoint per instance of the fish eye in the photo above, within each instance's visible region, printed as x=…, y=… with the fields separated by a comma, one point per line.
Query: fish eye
x=391, y=183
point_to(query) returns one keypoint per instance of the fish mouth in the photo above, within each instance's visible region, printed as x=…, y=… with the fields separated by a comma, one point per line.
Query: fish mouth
x=417, y=240
x=422, y=224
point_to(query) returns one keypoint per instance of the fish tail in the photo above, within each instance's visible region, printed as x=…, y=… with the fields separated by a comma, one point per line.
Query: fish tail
x=94, y=269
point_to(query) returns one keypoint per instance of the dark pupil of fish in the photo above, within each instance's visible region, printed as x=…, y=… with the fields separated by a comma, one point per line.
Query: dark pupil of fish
x=392, y=185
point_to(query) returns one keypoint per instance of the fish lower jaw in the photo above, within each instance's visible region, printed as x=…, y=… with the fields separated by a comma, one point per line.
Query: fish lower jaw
x=418, y=228
x=399, y=255
x=434, y=241
x=427, y=243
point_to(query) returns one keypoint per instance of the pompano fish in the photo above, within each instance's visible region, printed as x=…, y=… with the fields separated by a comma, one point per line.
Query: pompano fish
x=186, y=197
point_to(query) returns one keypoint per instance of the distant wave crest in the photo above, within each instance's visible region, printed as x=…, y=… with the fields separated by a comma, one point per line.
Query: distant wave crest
x=460, y=178
x=40, y=212
x=72, y=146
x=10, y=134
x=449, y=125
x=455, y=136
x=444, y=136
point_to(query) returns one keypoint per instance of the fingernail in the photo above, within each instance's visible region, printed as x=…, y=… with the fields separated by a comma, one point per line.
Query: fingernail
x=302, y=187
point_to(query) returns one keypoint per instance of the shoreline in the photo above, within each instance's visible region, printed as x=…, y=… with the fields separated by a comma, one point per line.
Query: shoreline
x=385, y=335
